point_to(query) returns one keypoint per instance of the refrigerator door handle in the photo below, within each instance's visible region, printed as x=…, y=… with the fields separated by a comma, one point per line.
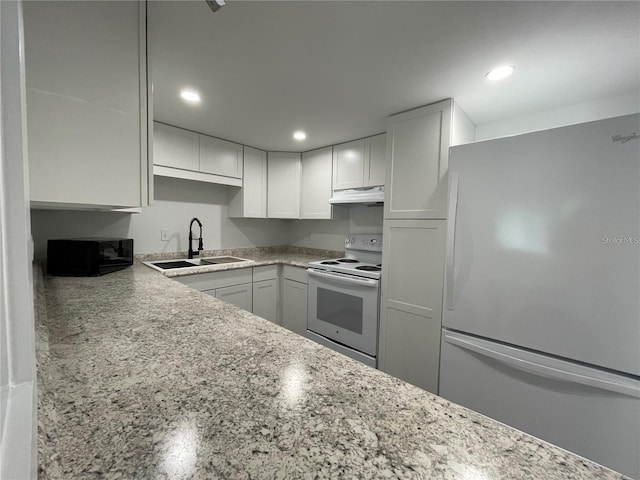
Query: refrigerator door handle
x=451, y=240
x=631, y=388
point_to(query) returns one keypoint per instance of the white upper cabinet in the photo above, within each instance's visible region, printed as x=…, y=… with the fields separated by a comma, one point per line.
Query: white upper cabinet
x=175, y=147
x=375, y=156
x=360, y=163
x=348, y=165
x=283, y=185
x=250, y=201
x=87, y=112
x=418, y=157
x=181, y=153
x=220, y=157
x=315, y=188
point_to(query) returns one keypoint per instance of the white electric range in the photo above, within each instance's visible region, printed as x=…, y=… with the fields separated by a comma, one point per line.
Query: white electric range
x=344, y=299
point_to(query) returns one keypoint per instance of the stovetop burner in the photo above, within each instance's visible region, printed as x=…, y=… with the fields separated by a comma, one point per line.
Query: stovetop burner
x=362, y=258
x=369, y=268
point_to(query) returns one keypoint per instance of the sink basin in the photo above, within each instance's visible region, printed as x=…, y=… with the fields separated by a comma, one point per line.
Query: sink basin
x=172, y=264
x=217, y=260
x=194, y=262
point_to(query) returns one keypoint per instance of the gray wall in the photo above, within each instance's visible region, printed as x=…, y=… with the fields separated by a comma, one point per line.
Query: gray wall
x=330, y=234
x=177, y=201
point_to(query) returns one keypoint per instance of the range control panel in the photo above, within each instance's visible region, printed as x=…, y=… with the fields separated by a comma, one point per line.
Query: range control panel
x=369, y=242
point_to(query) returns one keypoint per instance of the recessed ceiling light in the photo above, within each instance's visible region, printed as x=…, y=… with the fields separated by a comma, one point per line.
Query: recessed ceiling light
x=501, y=72
x=299, y=135
x=190, y=96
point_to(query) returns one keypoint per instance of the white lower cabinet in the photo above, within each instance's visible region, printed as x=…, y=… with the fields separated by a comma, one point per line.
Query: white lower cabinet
x=265, y=299
x=259, y=290
x=232, y=286
x=238, y=295
x=266, y=292
x=215, y=280
x=411, y=304
x=294, y=299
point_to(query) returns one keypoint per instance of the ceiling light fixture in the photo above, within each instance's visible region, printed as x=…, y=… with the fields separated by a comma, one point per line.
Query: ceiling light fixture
x=500, y=72
x=190, y=96
x=299, y=135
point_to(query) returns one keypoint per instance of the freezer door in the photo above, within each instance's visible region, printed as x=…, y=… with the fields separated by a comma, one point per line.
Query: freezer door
x=543, y=245
x=590, y=412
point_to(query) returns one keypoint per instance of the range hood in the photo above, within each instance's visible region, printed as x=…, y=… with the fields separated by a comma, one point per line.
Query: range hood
x=358, y=195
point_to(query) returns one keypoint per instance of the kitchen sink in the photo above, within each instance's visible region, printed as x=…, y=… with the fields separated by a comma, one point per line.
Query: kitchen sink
x=194, y=262
x=217, y=260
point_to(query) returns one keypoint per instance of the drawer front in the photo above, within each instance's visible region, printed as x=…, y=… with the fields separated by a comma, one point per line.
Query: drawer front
x=213, y=280
x=266, y=272
x=297, y=274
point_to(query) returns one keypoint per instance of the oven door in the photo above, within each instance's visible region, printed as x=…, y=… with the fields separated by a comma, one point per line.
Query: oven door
x=344, y=308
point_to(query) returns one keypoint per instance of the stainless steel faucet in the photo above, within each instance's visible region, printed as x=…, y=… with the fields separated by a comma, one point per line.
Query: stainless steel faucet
x=200, y=247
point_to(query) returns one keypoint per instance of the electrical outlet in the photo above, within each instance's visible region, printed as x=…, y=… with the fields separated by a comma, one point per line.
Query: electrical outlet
x=164, y=234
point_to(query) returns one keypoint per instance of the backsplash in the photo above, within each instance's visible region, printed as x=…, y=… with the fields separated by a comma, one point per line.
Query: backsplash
x=177, y=201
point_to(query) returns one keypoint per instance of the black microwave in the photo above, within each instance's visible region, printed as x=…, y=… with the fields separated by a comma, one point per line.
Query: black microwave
x=88, y=257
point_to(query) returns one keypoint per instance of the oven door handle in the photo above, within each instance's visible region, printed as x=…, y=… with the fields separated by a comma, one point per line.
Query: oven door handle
x=342, y=278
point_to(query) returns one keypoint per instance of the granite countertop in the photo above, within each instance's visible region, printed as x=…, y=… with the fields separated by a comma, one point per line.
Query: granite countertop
x=140, y=376
x=280, y=255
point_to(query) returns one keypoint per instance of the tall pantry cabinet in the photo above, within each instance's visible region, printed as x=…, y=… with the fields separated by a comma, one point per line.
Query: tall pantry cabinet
x=414, y=229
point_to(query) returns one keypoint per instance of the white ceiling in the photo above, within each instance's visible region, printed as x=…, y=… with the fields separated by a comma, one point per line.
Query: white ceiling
x=338, y=69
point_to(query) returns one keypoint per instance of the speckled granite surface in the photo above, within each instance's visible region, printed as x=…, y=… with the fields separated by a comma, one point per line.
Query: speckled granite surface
x=283, y=254
x=142, y=377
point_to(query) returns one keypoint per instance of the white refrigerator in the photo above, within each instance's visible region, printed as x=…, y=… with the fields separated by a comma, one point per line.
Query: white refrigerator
x=541, y=318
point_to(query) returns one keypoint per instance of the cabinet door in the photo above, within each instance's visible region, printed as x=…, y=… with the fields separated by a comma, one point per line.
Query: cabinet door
x=294, y=306
x=220, y=157
x=348, y=165
x=238, y=295
x=418, y=155
x=250, y=201
x=265, y=299
x=411, y=304
x=315, y=190
x=175, y=147
x=375, y=154
x=86, y=102
x=283, y=185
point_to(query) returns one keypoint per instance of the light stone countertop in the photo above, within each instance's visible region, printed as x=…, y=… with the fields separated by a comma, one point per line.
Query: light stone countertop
x=260, y=256
x=140, y=376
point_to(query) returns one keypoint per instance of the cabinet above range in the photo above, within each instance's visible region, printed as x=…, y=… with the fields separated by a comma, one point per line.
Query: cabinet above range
x=181, y=153
x=360, y=163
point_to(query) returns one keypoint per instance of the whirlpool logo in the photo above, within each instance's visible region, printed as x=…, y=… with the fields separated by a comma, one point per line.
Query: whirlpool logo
x=625, y=138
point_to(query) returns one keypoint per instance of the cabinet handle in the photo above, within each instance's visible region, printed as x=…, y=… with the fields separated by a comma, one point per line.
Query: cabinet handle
x=451, y=240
